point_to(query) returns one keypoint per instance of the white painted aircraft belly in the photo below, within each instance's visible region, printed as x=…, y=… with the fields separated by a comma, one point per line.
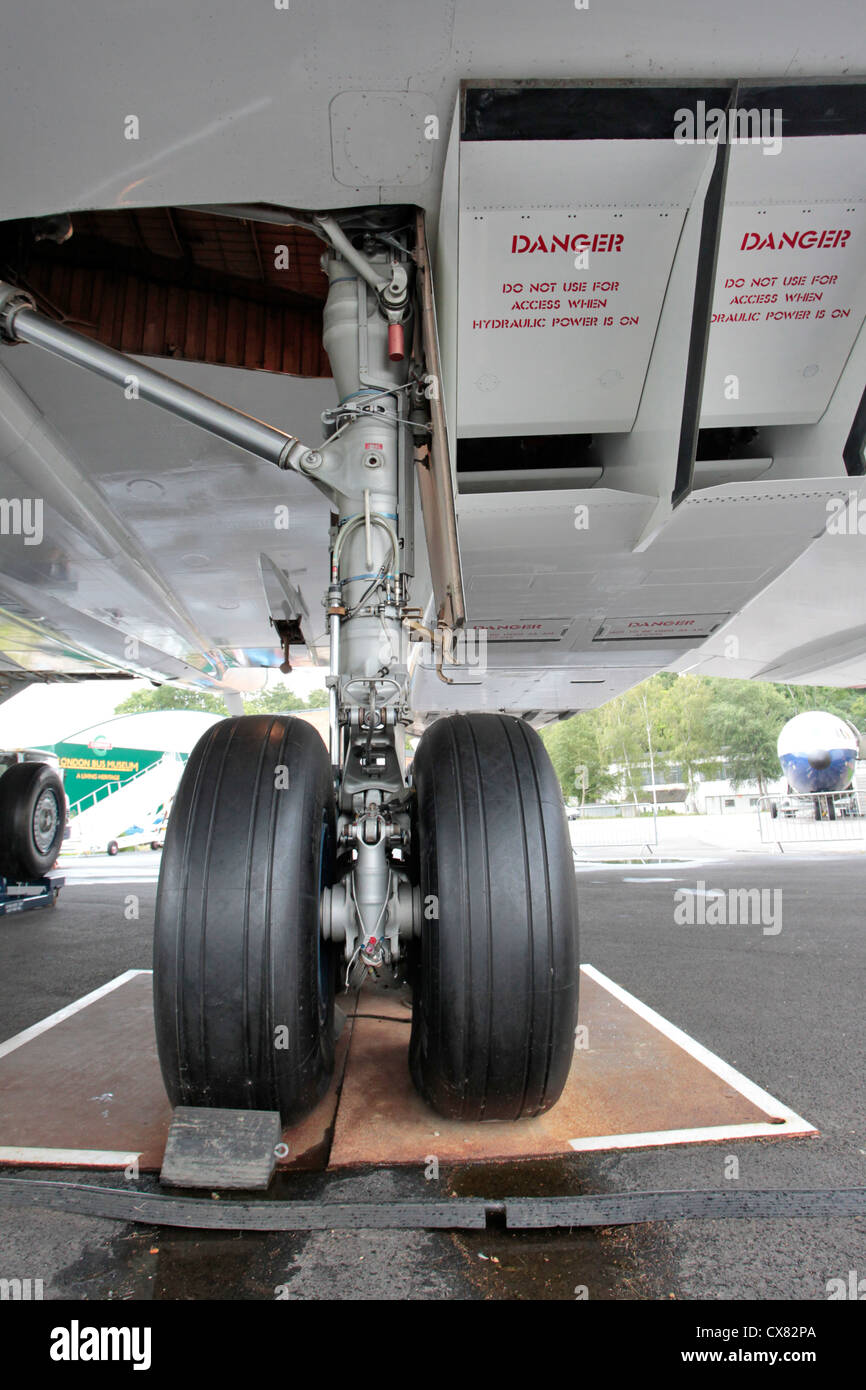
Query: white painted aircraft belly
x=236, y=104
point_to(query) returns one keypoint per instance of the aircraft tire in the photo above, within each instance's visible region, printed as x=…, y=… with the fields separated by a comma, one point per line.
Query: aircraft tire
x=243, y=982
x=495, y=974
x=32, y=820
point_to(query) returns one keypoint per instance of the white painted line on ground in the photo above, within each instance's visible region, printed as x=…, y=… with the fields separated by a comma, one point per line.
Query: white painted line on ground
x=53, y=1019
x=71, y=1158
x=709, y=1134
x=792, y=1123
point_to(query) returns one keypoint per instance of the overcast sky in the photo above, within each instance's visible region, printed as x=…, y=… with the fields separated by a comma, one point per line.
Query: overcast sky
x=44, y=714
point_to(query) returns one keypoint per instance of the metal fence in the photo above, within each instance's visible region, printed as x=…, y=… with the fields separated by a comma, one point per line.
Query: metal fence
x=612, y=826
x=812, y=818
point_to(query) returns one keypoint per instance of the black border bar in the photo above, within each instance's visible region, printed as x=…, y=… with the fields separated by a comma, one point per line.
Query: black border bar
x=621, y=111
x=462, y=1213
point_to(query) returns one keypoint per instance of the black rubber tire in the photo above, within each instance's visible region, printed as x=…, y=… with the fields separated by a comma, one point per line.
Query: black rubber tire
x=112, y=848
x=22, y=787
x=495, y=983
x=238, y=952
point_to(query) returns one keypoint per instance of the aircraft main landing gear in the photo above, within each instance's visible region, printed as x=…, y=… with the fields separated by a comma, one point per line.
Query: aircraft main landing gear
x=281, y=856
x=464, y=879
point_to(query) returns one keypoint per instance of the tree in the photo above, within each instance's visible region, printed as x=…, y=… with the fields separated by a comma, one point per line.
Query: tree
x=278, y=700
x=845, y=703
x=622, y=735
x=685, y=728
x=573, y=743
x=170, y=697
x=746, y=717
x=283, y=701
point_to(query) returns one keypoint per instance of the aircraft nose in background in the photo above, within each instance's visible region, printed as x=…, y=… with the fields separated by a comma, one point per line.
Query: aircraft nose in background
x=820, y=758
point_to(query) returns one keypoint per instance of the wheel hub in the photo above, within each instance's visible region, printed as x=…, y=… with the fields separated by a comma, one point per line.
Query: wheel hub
x=45, y=818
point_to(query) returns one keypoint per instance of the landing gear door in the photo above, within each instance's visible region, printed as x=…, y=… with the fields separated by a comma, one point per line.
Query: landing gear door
x=567, y=237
